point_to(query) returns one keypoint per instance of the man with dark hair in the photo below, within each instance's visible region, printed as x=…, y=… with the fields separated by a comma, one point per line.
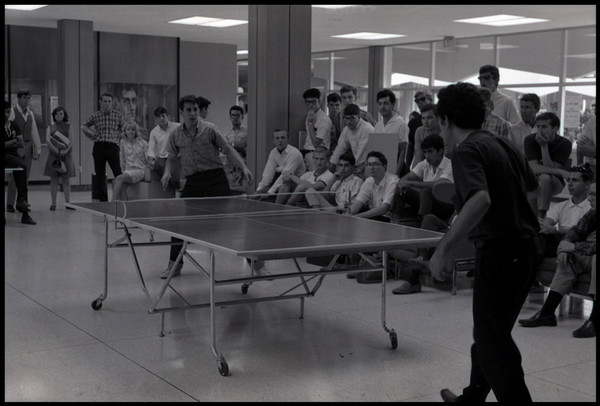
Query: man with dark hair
x=354, y=138
x=430, y=126
x=157, y=142
x=197, y=142
x=13, y=140
x=492, y=179
x=392, y=123
x=204, y=106
x=334, y=106
x=237, y=136
x=504, y=107
x=493, y=123
x=349, y=96
x=318, y=126
x=377, y=191
x=414, y=192
x=529, y=106
x=547, y=153
x=575, y=257
x=104, y=127
x=31, y=149
x=422, y=98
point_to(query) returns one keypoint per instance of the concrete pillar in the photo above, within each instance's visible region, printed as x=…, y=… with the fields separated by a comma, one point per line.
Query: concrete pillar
x=279, y=47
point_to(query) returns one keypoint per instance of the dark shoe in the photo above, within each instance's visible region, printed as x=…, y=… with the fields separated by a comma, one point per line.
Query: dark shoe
x=70, y=208
x=52, y=207
x=406, y=288
x=26, y=219
x=368, y=277
x=351, y=275
x=586, y=331
x=10, y=208
x=176, y=272
x=23, y=207
x=448, y=396
x=538, y=320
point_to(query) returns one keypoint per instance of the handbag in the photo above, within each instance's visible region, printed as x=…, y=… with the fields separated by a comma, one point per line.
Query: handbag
x=59, y=166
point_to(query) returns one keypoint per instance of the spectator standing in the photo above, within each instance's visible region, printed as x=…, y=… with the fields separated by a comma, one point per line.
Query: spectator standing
x=24, y=118
x=504, y=107
x=392, y=123
x=430, y=126
x=493, y=123
x=422, y=97
x=106, y=126
x=354, y=138
x=529, y=106
x=349, y=96
x=157, y=143
x=318, y=126
x=61, y=129
x=237, y=137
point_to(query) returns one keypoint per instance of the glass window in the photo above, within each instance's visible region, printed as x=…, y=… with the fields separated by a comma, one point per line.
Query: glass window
x=320, y=64
x=581, y=54
x=578, y=109
x=462, y=61
x=517, y=64
x=410, y=65
x=351, y=68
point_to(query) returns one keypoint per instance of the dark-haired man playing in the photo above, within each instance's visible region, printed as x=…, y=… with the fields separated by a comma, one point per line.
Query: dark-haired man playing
x=492, y=180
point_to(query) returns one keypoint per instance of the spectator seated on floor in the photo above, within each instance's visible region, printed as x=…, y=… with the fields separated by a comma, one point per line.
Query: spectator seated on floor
x=414, y=195
x=316, y=179
x=564, y=215
x=575, y=256
x=376, y=194
x=283, y=157
x=547, y=154
x=341, y=190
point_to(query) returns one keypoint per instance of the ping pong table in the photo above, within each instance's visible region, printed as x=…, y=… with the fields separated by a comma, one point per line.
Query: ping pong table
x=257, y=230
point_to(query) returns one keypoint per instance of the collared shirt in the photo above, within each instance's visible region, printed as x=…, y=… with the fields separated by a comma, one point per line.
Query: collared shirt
x=395, y=125
x=346, y=190
x=27, y=115
x=199, y=150
x=237, y=138
x=339, y=122
x=322, y=128
x=420, y=134
x=567, y=213
x=157, y=144
x=504, y=107
x=324, y=177
x=290, y=159
x=375, y=195
x=518, y=132
x=425, y=171
x=354, y=140
x=109, y=125
x=496, y=125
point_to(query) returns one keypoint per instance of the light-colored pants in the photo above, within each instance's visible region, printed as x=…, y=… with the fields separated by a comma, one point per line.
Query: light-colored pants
x=565, y=275
x=11, y=191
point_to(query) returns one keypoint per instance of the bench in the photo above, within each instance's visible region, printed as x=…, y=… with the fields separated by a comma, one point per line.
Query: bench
x=151, y=189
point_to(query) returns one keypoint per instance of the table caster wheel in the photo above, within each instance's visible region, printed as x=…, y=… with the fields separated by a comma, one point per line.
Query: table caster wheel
x=394, y=340
x=97, y=304
x=244, y=289
x=223, y=368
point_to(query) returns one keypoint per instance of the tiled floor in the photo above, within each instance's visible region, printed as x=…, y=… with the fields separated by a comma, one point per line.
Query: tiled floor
x=57, y=348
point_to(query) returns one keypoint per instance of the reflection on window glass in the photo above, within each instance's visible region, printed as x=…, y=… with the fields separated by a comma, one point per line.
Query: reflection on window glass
x=320, y=71
x=581, y=54
x=410, y=65
x=462, y=62
x=517, y=64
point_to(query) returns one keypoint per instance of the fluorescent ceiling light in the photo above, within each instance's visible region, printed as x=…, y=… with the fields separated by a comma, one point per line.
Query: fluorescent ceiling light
x=368, y=35
x=333, y=6
x=209, y=21
x=242, y=52
x=326, y=58
x=23, y=7
x=225, y=23
x=501, y=20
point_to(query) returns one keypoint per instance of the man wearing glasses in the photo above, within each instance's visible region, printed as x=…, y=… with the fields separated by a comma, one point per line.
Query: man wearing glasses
x=354, y=138
x=489, y=76
x=318, y=126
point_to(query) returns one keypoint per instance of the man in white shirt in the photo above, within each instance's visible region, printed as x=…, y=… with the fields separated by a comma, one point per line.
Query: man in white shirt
x=349, y=95
x=354, y=138
x=22, y=115
x=392, y=123
x=157, y=142
x=377, y=192
x=343, y=188
x=414, y=191
x=318, y=126
x=529, y=106
x=493, y=123
x=237, y=136
x=315, y=180
x=504, y=107
x=564, y=215
x=283, y=157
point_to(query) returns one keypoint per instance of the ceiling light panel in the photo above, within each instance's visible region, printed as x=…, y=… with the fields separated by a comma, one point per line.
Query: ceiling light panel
x=368, y=36
x=333, y=6
x=209, y=21
x=23, y=7
x=194, y=20
x=224, y=23
x=500, y=20
x=517, y=21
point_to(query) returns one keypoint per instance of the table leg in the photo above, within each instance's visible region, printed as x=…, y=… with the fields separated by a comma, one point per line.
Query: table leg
x=392, y=333
x=221, y=363
x=97, y=304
